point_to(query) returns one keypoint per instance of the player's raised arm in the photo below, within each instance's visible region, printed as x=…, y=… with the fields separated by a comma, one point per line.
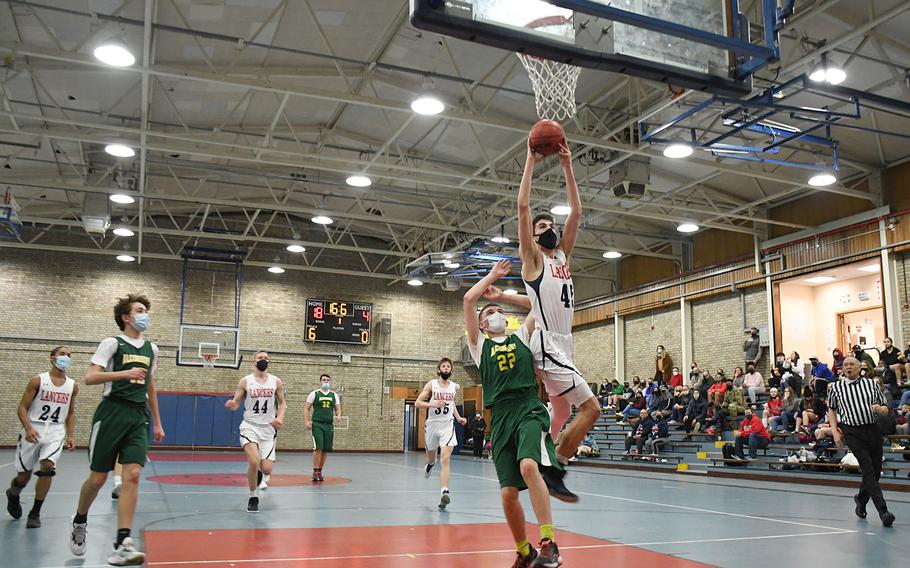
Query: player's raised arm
x=494, y=294
x=527, y=249
x=233, y=403
x=573, y=221
x=472, y=296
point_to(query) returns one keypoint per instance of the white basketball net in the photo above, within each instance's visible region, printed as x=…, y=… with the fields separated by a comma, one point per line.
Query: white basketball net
x=208, y=360
x=554, y=86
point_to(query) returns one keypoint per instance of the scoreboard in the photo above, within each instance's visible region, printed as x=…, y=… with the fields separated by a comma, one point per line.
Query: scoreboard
x=337, y=321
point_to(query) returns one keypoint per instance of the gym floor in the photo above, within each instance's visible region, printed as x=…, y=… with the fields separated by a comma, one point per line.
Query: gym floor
x=377, y=510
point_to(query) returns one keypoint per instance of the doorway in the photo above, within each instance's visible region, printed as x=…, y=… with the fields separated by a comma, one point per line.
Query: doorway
x=865, y=328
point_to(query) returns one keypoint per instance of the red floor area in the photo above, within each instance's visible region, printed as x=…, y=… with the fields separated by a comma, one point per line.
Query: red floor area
x=195, y=457
x=239, y=480
x=452, y=546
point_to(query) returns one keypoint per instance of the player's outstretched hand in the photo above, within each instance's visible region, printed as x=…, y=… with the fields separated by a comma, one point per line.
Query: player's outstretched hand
x=70, y=443
x=276, y=423
x=135, y=374
x=309, y=425
x=158, y=434
x=436, y=404
x=492, y=294
x=501, y=269
x=565, y=155
x=230, y=404
x=462, y=420
x=337, y=418
x=533, y=157
x=32, y=435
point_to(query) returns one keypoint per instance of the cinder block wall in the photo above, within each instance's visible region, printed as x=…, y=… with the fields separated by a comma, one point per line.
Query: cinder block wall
x=644, y=332
x=51, y=299
x=594, y=352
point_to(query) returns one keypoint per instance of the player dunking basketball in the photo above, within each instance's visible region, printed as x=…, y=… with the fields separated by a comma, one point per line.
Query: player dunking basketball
x=263, y=415
x=551, y=299
x=438, y=397
x=46, y=414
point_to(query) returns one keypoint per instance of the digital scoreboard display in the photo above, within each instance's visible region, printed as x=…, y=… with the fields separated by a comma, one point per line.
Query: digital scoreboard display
x=337, y=321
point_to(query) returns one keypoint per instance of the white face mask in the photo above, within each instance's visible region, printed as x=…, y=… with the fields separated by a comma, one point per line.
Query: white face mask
x=496, y=322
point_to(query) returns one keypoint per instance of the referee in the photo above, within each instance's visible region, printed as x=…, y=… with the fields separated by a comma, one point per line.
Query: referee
x=856, y=401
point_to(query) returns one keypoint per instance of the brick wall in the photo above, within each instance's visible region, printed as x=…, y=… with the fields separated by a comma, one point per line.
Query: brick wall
x=52, y=299
x=902, y=268
x=717, y=329
x=644, y=332
x=594, y=349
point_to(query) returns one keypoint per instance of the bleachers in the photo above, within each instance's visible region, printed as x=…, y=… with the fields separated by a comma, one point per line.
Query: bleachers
x=701, y=454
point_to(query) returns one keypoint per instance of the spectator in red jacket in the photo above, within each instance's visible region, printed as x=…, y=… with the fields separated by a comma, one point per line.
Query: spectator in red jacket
x=716, y=392
x=772, y=407
x=676, y=378
x=751, y=432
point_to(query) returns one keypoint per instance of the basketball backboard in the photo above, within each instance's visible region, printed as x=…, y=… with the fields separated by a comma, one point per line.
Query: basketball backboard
x=697, y=44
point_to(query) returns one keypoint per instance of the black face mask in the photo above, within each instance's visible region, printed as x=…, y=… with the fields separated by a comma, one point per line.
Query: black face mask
x=445, y=374
x=262, y=364
x=548, y=239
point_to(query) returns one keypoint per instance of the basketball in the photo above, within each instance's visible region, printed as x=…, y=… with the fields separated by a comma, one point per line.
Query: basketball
x=546, y=137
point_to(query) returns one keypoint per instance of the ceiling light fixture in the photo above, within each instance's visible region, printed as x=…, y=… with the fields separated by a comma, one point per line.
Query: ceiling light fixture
x=415, y=282
x=359, y=181
x=322, y=220
x=451, y=265
x=125, y=258
x=612, y=254
x=122, y=198
x=114, y=53
x=870, y=268
x=828, y=73
x=820, y=279
x=119, y=150
x=296, y=248
x=560, y=210
x=822, y=179
x=678, y=150
x=687, y=227
x=123, y=232
x=276, y=270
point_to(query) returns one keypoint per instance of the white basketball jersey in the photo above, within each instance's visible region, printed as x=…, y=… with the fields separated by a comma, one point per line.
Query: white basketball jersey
x=552, y=295
x=259, y=406
x=51, y=405
x=446, y=394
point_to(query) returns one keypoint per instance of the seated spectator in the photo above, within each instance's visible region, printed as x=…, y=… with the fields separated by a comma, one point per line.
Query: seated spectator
x=615, y=396
x=603, y=392
x=588, y=447
x=903, y=421
x=716, y=420
x=651, y=388
x=774, y=381
x=738, y=377
x=664, y=401
x=905, y=398
x=824, y=431
x=821, y=376
x=660, y=433
x=696, y=412
x=639, y=434
x=753, y=384
x=892, y=358
x=633, y=409
x=751, y=432
x=788, y=410
x=676, y=378
x=678, y=405
x=772, y=407
x=811, y=410
x=863, y=356
x=696, y=379
x=907, y=364
x=779, y=359
x=734, y=402
x=837, y=365
x=793, y=371
x=717, y=391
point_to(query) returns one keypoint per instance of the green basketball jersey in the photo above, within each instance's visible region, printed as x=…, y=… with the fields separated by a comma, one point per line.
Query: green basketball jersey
x=324, y=405
x=130, y=357
x=506, y=371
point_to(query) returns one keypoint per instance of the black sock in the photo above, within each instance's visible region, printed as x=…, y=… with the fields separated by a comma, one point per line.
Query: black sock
x=80, y=518
x=36, y=508
x=121, y=534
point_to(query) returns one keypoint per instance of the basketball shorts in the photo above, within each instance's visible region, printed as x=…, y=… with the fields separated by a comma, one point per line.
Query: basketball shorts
x=263, y=435
x=557, y=371
x=49, y=446
x=323, y=435
x=119, y=431
x=519, y=430
x=440, y=434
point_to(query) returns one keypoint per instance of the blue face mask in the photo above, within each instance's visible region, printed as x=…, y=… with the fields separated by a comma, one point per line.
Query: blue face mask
x=141, y=322
x=62, y=362
x=325, y=386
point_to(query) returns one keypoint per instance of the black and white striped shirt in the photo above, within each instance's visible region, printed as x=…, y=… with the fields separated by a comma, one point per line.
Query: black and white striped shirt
x=853, y=400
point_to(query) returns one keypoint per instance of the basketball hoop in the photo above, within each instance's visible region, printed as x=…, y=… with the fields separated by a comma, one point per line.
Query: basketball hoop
x=208, y=360
x=554, y=82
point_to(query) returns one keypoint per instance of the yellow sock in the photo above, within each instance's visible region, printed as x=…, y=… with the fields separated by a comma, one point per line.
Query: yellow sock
x=524, y=548
x=546, y=533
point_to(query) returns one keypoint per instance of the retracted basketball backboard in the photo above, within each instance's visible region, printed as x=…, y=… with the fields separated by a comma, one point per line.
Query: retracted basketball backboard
x=212, y=282
x=696, y=44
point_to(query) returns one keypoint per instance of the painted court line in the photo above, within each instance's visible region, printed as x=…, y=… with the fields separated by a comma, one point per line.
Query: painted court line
x=413, y=555
x=640, y=501
x=6, y=465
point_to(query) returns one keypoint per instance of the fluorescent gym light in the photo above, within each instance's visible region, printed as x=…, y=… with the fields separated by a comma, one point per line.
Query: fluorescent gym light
x=687, y=227
x=322, y=220
x=123, y=232
x=820, y=279
x=870, y=268
x=296, y=248
x=120, y=150
x=276, y=270
x=822, y=179
x=612, y=254
x=114, y=53
x=451, y=265
x=122, y=198
x=415, y=282
x=125, y=258
x=678, y=150
x=510, y=291
x=560, y=210
x=832, y=75
x=500, y=239
x=359, y=181
x=427, y=104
